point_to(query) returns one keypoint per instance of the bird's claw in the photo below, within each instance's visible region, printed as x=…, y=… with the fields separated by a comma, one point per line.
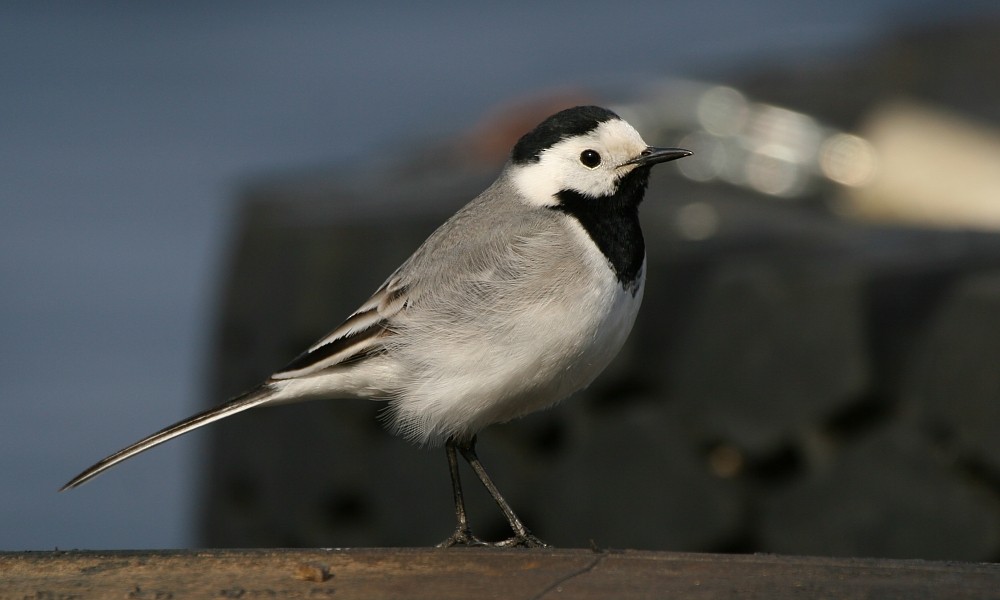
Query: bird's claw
x=525, y=540
x=462, y=537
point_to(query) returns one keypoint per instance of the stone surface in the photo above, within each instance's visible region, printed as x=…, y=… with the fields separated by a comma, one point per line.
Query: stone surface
x=478, y=572
x=770, y=349
x=887, y=494
x=951, y=386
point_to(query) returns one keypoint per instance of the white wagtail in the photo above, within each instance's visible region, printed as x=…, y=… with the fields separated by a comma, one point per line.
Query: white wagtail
x=517, y=301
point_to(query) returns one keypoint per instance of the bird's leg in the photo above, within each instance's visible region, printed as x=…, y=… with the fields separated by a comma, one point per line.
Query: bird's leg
x=522, y=537
x=462, y=536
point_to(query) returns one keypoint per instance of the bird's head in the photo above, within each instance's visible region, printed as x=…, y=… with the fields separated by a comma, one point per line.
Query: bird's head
x=587, y=151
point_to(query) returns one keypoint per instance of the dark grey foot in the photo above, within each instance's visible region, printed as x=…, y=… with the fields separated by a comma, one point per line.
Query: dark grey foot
x=462, y=537
x=525, y=540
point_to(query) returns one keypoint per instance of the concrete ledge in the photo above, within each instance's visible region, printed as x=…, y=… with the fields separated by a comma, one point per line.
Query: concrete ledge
x=478, y=573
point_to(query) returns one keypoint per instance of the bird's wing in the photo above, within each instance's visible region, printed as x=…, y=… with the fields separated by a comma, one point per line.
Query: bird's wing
x=454, y=250
x=359, y=336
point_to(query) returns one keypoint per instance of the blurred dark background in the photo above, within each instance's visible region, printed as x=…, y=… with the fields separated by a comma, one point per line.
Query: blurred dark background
x=192, y=194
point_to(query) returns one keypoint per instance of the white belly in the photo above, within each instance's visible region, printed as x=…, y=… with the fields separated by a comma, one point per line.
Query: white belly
x=549, y=351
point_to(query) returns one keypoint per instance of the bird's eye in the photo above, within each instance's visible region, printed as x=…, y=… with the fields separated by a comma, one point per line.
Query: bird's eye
x=590, y=158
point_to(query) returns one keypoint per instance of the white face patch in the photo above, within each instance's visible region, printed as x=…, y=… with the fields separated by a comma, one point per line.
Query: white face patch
x=561, y=168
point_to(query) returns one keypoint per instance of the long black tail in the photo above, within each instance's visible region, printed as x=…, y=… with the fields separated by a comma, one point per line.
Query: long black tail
x=248, y=400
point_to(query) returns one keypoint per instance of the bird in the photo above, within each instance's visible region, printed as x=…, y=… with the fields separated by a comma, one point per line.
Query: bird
x=517, y=301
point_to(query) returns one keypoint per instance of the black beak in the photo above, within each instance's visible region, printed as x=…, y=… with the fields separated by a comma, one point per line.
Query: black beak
x=652, y=156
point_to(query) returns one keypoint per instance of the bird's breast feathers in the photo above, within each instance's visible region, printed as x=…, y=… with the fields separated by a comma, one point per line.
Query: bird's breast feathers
x=530, y=330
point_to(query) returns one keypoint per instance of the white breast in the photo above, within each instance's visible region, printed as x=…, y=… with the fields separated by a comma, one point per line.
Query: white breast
x=520, y=350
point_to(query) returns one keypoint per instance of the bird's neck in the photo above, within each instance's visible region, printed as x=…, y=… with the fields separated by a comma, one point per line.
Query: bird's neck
x=612, y=222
